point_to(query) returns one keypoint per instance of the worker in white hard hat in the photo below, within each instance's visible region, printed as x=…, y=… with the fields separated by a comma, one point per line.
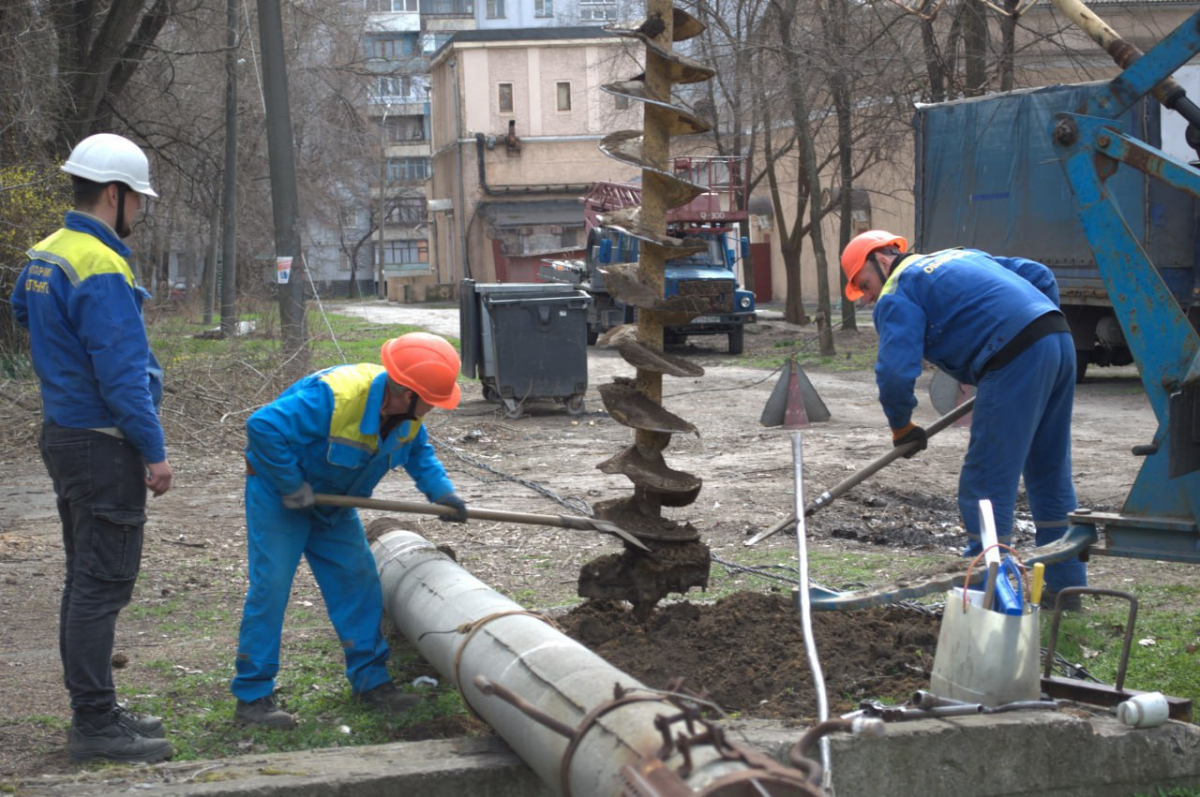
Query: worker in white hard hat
x=102, y=441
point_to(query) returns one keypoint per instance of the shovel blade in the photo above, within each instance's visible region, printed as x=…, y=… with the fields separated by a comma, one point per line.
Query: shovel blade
x=606, y=527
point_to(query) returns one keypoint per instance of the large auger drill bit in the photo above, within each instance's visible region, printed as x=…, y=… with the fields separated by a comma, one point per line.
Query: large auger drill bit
x=679, y=560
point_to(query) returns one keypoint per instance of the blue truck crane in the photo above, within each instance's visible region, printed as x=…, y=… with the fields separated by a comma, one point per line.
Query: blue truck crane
x=988, y=177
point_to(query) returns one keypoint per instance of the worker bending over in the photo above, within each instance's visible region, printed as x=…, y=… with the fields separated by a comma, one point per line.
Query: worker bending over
x=993, y=322
x=337, y=431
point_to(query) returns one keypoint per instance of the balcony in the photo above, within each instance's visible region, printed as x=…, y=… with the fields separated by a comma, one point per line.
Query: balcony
x=448, y=8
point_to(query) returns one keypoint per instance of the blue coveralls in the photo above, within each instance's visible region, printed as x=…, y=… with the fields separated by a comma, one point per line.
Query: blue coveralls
x=958, y=308
x=100, y=387
x=323, y=430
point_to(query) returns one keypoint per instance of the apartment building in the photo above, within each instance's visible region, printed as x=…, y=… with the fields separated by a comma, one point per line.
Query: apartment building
x=517, y=116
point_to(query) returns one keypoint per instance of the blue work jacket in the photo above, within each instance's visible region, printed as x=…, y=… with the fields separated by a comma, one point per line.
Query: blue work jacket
x=955, y=308
x=82, y=306
x=324, y=430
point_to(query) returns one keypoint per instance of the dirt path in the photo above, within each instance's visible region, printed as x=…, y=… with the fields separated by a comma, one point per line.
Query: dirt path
x=195, y=535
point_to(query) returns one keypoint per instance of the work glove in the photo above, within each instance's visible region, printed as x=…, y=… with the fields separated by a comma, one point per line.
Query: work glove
x=457, y=504
x=910, y=434
x=301, y=499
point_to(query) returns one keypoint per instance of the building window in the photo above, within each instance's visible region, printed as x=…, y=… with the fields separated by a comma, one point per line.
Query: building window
x=407, y=210
x=430, y=42
x=387, y=6
x=597, y=10
x=506, y=98
x=400, y=88
x=408, y=169
x=444, y=8
x=495, y=9
x=564, y=96
x=398, y=253
x=620, y=102
x=391, y=48
x=543, y=8
x=405, y=129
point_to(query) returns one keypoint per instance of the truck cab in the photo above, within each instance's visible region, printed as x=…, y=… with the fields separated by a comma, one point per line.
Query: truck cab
x=716, y=215
x=711, y=272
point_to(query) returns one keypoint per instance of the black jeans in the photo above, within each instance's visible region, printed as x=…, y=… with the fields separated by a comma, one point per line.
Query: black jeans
x=100, y=484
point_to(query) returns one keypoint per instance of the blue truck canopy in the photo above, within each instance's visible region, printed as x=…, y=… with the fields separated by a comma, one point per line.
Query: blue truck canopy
x=987, y=177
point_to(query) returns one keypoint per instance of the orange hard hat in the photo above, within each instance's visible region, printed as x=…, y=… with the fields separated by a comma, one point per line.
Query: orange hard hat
x=859, y=249
x=425, y=364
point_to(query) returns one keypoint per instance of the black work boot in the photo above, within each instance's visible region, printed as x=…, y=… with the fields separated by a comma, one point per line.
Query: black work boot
x=386, y=697
x=264, y=712
x=108, y=738
x=150, y=727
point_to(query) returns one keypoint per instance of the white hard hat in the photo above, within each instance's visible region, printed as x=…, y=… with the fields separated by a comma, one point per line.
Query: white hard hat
x=108, y=158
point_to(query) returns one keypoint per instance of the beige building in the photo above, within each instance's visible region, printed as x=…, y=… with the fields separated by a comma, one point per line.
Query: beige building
x=515, y=122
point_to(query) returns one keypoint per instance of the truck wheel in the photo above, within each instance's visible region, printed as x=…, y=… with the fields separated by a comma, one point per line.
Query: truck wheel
x=1082, y=359
x=737, y=340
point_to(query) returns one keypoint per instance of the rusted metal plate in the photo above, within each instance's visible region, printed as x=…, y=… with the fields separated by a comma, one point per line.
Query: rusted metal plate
x=1178, y=708
x=628, y=407
x=683, y=25
x=679, y=68
x=671, y=487
x=699, y=298
x=643, y=357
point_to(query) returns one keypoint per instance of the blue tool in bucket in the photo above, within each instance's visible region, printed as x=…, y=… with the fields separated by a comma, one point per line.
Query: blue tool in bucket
x=998, y=592
x=1008, y=598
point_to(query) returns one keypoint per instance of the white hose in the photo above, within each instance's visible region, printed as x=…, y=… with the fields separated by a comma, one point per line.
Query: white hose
x=810, y=645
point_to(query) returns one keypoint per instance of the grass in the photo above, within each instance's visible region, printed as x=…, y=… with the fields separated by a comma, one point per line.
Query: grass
x=1166, y=642
x=334, y=338
x=834, y=569
x=198, y=709
x=807, y=356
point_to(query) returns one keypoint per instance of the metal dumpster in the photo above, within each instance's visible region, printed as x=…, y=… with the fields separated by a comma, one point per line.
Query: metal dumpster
x=525, y=341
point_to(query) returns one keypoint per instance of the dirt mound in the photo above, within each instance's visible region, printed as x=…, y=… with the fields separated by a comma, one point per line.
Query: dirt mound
x=747, y=651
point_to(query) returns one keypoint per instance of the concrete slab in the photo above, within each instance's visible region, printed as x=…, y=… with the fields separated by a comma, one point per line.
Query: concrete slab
x=1065, y=753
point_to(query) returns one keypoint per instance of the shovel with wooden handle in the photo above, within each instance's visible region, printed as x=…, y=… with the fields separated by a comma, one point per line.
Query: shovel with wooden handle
x=562, y=521
x=827, y=497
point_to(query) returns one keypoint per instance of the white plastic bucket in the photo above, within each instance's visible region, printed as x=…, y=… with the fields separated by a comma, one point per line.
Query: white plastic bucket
x=984, y=656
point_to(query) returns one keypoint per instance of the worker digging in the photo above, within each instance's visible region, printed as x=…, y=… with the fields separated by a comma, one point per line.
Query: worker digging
x=992, y=322
x=337, y=431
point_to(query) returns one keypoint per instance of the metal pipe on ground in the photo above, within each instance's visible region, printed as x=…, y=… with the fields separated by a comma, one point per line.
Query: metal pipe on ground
x=477, y=639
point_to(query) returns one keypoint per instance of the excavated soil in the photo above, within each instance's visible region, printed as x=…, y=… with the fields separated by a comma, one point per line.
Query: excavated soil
x=745, y=651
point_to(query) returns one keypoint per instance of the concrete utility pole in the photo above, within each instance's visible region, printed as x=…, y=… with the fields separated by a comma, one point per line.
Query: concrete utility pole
x=283, y=184
x=209, y=281
x=229, y=311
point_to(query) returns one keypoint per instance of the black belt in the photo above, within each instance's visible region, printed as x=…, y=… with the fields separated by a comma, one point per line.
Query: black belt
x=1034, y=331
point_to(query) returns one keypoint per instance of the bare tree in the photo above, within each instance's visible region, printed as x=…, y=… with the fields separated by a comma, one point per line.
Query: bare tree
x=100, y=47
